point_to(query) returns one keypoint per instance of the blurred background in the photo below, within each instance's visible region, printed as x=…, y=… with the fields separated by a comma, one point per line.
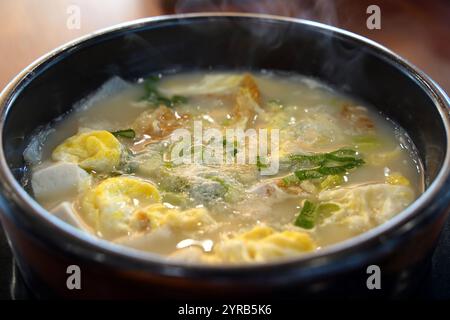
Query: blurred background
x=418, y=30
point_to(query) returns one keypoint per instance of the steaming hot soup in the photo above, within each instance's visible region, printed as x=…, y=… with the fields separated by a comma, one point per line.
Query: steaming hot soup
x=223, y=167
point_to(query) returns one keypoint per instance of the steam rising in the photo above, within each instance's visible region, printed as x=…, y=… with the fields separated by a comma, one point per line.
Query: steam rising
x=318, y=10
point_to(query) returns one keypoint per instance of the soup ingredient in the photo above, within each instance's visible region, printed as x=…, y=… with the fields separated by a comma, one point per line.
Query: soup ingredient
x=59, y=180
x=154, y=97
x=158, y=124
x=95, y=150
x=382, y=158
x=263, y=243
x=246, y=109
x=336, y=162
x=207, y=85
x=109, y=206
x=311, y=212
x=156, y=215
x=366, y=206
x=66, y=213
x=306, y=218
x=366, y=142
x=343, y=168
x=318, y=166
x=398, y=179
x=332, y=181
x=357, y=118
x=127, y=133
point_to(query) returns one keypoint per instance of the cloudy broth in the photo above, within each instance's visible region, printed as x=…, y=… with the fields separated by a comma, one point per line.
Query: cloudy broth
x=342, y=167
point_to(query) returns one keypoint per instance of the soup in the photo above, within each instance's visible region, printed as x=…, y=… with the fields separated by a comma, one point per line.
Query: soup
x=223, y=167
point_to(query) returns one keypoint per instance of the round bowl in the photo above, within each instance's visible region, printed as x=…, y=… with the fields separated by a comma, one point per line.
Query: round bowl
x=44, y=247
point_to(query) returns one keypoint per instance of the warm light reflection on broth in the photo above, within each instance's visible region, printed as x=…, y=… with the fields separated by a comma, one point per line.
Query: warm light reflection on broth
x=107, y=168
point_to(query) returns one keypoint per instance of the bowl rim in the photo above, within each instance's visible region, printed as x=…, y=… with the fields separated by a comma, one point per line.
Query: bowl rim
x=101, y=248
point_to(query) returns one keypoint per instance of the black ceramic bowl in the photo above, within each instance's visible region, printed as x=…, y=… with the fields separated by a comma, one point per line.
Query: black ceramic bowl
x=44, y=246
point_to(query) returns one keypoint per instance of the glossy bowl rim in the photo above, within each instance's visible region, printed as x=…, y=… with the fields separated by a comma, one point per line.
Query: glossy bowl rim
x=28, y=205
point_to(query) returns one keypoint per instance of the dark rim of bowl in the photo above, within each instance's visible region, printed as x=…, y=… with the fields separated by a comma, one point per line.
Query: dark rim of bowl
x=60, y=230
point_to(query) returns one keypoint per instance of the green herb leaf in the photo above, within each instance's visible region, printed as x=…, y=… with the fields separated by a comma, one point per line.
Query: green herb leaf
x=154, y=97
x=127, y=133
x=308, y=174
x=331, y=182
x=312, y=212
x=307, y=160
x=318, y=166
x=307, y=217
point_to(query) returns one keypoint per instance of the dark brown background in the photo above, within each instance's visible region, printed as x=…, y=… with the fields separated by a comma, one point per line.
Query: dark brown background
x=417, y=30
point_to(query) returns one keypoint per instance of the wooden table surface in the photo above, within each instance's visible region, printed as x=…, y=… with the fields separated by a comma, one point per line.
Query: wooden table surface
x=417, y=30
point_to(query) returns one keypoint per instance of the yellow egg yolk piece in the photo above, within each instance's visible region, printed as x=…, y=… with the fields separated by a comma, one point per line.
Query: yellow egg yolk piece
x=262, y=243
x=109, y=207
x=95, y=150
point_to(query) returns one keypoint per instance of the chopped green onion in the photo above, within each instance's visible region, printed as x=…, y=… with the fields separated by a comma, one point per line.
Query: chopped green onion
x=307, y=160
x=259, y=163
x=339, y=157
x=331, y=182
x=324, y=210
x=290, y=180
x=366, y=142
x=308, y=174
x=311, y=212
x=340, y=169
x=127, y=133
x=307, y=217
